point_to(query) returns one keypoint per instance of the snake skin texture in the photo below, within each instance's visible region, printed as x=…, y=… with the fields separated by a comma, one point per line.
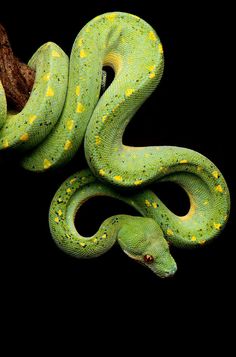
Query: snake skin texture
x=65, y=110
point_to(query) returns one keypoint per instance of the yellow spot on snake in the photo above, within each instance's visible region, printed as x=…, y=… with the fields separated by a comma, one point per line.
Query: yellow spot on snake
x=193, y=239
x=68, y=145
x=68, y=190
x=82, y=54
x=118, y=178
x=129, y=92
x=199, y=168
x=72, y=180
x=50, y=92
x=5, y=144
x=160, y=48
x=226, y=217
x=80, y=108
x=60, y=212
x=70, y=124
x=56, y=219
x=183, y=161
x=80, y=41
x=46, y=163
x=154, y=205
x=216, y=174
x=46, y=77
x=101, y=172
x=24, y=137
x=104, y=118
x=95, y=240
x=152, y=36
x=202, y=242
x=151, y=68
x=87, y=29
x=77, y=90
x=164, y=169
x=104, y=235
x=147, y=203
x=32, y=119
x=205, y=202
x=219, y=188
x=82, y=244
x=138, y=182
x=169, y=232
x=111, y=17
x=217, y=226
x=115, y=107
x=97, y=140
x=55, y=54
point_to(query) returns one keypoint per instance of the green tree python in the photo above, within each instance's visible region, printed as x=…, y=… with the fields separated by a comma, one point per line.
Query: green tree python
x=65, y=108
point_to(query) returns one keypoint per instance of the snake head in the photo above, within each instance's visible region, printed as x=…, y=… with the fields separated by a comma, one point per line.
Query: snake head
x=142, y=239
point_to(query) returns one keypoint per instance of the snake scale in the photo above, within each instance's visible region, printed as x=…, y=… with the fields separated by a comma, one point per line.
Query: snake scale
x=65, y=108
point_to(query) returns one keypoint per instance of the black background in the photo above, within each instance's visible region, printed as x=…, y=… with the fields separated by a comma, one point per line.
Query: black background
x=190, y=108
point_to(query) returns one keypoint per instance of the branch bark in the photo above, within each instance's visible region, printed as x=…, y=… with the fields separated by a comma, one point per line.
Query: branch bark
x=17, y=78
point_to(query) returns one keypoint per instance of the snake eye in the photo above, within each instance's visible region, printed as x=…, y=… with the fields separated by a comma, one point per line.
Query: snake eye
x=148, y=258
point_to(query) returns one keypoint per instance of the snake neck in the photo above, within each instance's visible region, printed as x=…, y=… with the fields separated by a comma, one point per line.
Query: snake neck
x=140, y=238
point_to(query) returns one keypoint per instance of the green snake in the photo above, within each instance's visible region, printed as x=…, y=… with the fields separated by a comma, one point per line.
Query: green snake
x=65, y=108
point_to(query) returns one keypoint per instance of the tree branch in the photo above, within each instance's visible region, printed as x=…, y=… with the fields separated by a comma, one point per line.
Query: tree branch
x=17, y=78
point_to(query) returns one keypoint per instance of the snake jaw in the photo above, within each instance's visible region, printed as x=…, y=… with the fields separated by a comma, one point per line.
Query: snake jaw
x=165, y=273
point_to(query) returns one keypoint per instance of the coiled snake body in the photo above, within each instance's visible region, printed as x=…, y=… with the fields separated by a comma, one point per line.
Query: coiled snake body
x=64, y=107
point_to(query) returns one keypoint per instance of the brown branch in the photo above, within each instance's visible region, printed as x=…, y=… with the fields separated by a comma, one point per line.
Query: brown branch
x=17, y=78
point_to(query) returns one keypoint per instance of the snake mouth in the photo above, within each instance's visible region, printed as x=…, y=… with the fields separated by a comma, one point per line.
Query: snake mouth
x=165, y=273
x=169, y=274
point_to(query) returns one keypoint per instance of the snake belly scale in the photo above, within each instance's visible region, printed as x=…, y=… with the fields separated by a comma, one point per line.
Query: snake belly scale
x=65, y=107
